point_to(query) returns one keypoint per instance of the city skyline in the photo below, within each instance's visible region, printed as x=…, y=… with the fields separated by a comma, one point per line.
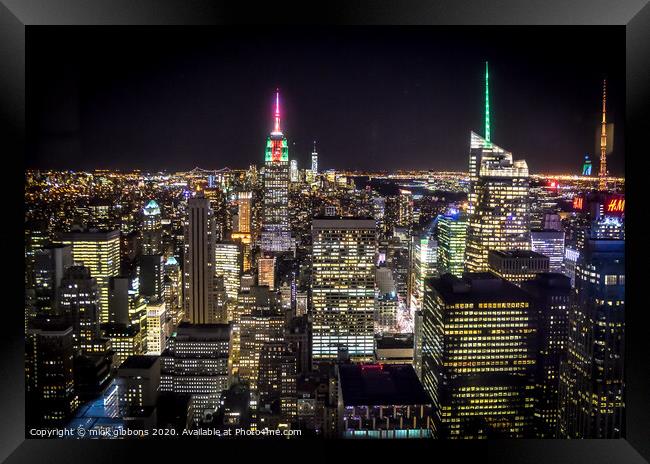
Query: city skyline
x=366, y=106
x=290, y=298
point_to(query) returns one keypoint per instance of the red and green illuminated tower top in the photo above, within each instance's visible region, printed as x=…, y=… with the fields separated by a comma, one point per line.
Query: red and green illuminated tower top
x=277, y=149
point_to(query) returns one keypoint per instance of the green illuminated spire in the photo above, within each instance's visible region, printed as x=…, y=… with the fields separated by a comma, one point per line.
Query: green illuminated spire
x=487, y=105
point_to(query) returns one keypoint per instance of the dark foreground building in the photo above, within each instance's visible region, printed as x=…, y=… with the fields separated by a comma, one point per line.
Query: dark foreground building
x=382, y=401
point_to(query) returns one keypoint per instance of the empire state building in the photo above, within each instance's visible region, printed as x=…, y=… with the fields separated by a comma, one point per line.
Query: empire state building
x=276, y=235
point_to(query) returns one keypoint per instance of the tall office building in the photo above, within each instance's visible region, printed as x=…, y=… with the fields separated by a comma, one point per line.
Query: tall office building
x=156, y=327
x=152, y=274
x=314, y=160
x=276, y=235
x=126, y=305
x=227, y=264
x=293, y=171
x=452, y=240
x=243, y=232
x=498, y=203
x=262, y=325
x=592, y=385
x=499, y=211
x=173, y=290
x=266, y=271
x=386, y=301
x=343, y=288
x=151, y=229
x=50, y=263
x=99, y=251
x=49, y=379
x=198, y=266
x=478, y=357
x=277, y=379
x=424, y=261
x=79, y=303
x=551, y=297
x=196, y=363
x=549, y=243
x=138, y=383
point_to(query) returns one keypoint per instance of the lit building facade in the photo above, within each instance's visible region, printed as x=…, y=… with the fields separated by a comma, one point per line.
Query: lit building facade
x=50, y=263
x=256, y=329
x=266, y=271
x=551, y=298
x=49, y=381
x=549, y=243
x=314, y=161
x=592, y=384
x=386, y=302
x=99, y=251
x=79, y=303
x=424, y=264
x=343, y=288
x=478, y=357
x=452, y=241
x=276, y=235
x=196, y=363
x=498, y=203
x=156, y=333
x=151, y=229
x=227, y=264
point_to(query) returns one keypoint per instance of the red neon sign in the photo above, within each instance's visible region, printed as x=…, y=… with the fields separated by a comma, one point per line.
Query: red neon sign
x=577, y=203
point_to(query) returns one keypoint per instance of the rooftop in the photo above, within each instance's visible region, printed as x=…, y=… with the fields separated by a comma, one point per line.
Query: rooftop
x=381, y=384
x=516, y=254
x=474, y=286
x=139, y=362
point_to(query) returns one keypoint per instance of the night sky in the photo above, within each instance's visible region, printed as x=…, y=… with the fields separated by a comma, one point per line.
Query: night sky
x=376, y=98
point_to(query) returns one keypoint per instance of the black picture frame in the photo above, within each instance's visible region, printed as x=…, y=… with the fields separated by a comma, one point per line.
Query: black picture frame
x=18, y=15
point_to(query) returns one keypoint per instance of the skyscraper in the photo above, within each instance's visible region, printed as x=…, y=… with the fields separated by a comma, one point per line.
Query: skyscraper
x=499, y=211
x=386, y=303
x=452, y=240
x=551, y=298
x=50, y=263
x=424, y=259
x=592, y=385
x=262, y=325
x=343, y=288
x=266, y=271
x=79, y=302
x=549, y=243
x=198, y=268
x=314, y=160
x=276, y=235
x=99, y=251
x=49, y=382
x=227, y=264
x=478, y=357
x=196, y=363
x=151, y=229
x=293, y=173
x=498, y=203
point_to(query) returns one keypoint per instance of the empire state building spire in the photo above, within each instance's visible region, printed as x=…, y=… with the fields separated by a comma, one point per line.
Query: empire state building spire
x=276, y=128
x=602, y=173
